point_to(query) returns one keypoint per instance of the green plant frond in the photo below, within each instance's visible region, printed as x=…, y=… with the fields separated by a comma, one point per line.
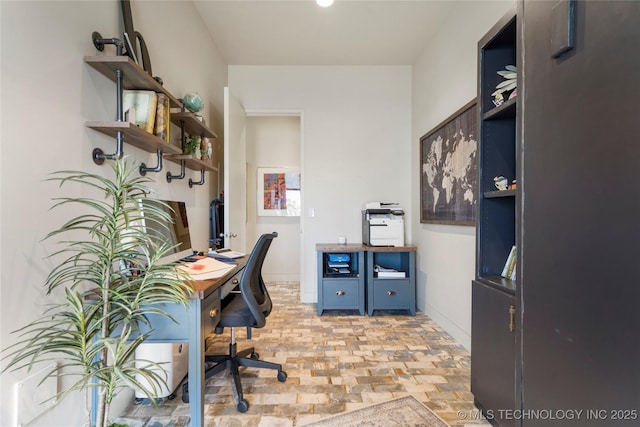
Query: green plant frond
x=84, y=223
x=113, y=283
x=126, y=350
x=152, y=373
x=72, y=281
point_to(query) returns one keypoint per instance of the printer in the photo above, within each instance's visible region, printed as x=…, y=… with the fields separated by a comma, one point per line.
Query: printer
x=382, y=226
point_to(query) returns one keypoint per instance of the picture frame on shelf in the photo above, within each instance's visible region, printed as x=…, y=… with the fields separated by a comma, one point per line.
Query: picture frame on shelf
x=449, y=169
x=278, y=192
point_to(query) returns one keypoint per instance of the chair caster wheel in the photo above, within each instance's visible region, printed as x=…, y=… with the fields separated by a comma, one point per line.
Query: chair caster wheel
x=243, y=406
x=171, y=396
x=282, y=376
x=185, y=393
x=254, y=356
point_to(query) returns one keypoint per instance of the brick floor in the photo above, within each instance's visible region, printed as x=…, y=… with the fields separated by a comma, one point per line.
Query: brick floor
x=337, y=362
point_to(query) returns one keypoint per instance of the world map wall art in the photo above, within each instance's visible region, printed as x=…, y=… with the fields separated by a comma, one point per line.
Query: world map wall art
x=449, y=170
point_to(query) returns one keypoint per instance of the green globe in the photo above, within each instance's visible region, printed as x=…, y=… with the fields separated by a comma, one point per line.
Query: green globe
x=193, y=102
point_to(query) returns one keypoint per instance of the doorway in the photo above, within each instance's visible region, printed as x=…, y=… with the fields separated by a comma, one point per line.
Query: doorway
x=274, y=141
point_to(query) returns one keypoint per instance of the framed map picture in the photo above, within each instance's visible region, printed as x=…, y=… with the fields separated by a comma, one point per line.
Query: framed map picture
x=278, y=192
x=449, y=170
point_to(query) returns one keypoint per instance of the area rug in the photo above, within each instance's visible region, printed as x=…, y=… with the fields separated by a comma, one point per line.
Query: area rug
x=403, y=411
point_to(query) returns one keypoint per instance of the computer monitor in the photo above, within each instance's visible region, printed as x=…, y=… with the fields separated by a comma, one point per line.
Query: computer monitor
x=176, y=235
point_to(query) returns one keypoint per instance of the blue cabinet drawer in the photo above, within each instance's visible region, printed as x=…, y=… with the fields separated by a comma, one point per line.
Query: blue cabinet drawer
x=392, y=293
x=341, y=293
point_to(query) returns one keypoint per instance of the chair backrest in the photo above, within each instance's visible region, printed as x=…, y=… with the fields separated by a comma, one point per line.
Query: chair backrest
x=252, y=287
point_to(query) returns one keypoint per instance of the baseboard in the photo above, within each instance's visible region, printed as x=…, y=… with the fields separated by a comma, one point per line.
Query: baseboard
x=281, y=278
x=457, y=333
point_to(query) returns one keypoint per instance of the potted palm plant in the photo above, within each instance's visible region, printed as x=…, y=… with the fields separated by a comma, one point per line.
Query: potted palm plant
x=111, y=278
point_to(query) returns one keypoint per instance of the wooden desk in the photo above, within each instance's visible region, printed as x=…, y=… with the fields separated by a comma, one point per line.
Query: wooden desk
x=193, y=325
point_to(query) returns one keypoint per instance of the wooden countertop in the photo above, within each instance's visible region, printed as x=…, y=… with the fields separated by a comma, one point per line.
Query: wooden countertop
x=358, y=247
x=204, y=288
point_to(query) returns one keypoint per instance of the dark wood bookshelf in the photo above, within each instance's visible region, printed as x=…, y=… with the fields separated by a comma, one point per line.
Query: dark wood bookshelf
x=506, y=110
x=499, y=193
x=494, y=297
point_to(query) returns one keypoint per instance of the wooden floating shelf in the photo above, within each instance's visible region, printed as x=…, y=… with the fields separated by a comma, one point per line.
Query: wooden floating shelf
x=135, y=136
x=192, y=125
x=134, y=76
x=191, y=162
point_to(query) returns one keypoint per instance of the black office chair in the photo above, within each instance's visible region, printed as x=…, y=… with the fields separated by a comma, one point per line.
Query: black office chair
x=248, y=308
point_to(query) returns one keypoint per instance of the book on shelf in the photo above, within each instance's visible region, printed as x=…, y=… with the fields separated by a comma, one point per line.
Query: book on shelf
x=144, y=102
x=509, y=265
x=339, y=270
x=161, y=126
x=389, y=273
x=338, y=264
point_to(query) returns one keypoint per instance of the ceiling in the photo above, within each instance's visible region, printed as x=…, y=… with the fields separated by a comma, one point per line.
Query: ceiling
x=299, y=32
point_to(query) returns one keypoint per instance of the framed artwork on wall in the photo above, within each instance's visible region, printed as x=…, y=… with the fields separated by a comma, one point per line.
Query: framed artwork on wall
x=449, y=169
x=278, y=192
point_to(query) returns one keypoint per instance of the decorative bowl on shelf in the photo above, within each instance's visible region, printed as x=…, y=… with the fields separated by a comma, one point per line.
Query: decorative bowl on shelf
x=192, y=101
x=501, y=183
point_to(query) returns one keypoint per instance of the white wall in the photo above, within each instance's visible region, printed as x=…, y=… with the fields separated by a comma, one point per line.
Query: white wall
x=356, y=142
x=273, y=141
x=48, y=92
x=444, y=79
x=361, y=132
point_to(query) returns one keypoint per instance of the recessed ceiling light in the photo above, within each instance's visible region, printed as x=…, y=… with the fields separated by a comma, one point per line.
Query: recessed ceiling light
x=324, y=3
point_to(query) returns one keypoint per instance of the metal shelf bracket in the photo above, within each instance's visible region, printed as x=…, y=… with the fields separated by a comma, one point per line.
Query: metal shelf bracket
x=201, y=182
x=144, y=169
x=182, y=174
x=98, y=155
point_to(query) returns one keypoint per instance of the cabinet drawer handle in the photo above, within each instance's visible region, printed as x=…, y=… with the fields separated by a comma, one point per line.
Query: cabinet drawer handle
x=235, y=281
x=341, y=293
x=391, y=293
x=213, y=313
x=512, y=318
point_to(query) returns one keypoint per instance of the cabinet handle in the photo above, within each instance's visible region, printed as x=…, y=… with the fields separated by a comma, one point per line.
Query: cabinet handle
x=235, y=281
x=213, y=313
x=512, y=318
x=340, y=293
x=391, y=293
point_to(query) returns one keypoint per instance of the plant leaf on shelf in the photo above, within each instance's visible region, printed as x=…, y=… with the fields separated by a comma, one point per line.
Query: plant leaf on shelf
x=506, y=83
x=510, y=82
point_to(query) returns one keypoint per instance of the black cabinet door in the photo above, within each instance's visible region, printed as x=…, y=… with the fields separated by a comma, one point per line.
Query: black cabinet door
x=581, y=210
x=493, y=352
